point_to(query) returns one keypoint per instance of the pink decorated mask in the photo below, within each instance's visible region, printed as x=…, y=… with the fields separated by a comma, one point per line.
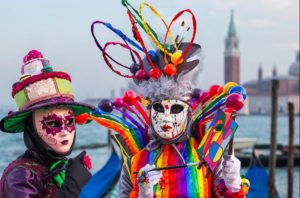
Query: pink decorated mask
x=169, y=118
x=56, y=127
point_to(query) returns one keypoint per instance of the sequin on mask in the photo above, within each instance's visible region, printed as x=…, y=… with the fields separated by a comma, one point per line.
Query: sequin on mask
x=54, y=124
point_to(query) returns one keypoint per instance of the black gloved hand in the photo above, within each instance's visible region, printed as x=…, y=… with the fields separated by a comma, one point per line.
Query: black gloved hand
x=77, y=176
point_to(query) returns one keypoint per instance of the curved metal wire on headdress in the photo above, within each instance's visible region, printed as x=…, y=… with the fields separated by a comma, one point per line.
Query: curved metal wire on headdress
x=156, y=41
x=106, y=56
x=137, y=17
x=126, y=41
x=138, y=37
x=191, y=42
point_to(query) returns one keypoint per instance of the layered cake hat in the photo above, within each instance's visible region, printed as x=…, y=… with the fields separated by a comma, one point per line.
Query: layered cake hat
x=39, y=87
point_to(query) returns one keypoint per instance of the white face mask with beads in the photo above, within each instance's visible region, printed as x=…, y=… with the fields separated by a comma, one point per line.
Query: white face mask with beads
x=169, y=118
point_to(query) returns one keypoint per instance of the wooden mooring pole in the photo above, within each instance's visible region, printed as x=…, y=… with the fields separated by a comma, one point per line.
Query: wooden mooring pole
x=291, y=150
x=108, y=137
x=109, y=132
x=272, y=161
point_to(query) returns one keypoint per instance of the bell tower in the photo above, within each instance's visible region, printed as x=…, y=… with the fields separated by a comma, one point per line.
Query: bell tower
x=232, y=54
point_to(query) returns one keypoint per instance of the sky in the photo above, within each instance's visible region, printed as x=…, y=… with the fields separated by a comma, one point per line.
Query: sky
x=268, y=31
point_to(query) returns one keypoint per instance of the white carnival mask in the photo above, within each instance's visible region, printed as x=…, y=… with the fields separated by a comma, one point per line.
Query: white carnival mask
x=169, y=118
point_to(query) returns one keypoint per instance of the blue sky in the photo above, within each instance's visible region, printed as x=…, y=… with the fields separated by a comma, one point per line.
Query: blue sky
x=268, y=31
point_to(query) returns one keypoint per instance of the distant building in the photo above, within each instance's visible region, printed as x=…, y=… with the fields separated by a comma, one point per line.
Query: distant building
x=232, y=54
x=259, y=90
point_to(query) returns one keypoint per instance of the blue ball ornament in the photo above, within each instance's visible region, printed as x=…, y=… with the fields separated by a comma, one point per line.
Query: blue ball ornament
x=240, y=90
x=153, y=55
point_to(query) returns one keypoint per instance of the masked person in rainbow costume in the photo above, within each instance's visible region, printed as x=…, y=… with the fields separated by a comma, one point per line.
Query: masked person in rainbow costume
x=160, y=130
x=46, y=115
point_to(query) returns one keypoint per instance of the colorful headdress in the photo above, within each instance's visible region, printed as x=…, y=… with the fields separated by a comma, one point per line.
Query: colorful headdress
x=161, y=73
x=39, y=87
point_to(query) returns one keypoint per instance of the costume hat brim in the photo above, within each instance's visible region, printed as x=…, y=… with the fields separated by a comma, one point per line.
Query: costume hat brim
x=14, y=122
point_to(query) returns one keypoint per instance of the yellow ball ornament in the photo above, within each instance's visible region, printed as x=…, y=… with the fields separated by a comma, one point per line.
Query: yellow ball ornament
x=245, y=185
x=175, y=57
x=228, y=85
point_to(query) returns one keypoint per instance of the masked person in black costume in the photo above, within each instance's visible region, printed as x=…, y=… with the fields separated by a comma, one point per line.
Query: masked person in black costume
x=46, y=115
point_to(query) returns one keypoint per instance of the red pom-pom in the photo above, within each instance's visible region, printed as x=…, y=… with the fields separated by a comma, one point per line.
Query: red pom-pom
x=229, y=110
x=170, y=70
x=118, y=102
x=33, y=54
x=141, y=75
x=82, y=118
x=155, y=73
x=220, y=90
x=235, y=101
x=213, y=90
x=204, y=96
x=129, y=96
x=87, y=162
x=139, y=98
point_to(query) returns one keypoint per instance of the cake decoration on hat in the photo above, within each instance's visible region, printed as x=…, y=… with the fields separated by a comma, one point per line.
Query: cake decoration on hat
x=33, y=63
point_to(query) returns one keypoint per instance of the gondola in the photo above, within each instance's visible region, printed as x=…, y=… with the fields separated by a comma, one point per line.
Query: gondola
x=263, y=153
x=258, y=177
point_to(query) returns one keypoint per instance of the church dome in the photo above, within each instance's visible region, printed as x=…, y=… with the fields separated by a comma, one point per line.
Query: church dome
x=294, y=67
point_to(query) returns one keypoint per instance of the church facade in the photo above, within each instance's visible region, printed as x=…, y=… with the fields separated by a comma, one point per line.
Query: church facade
x=259, y=90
